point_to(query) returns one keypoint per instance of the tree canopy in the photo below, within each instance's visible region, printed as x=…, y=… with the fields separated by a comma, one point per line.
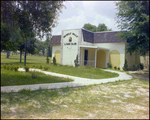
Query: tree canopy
x=22, y=21
x=99, y=28
x=133, y=17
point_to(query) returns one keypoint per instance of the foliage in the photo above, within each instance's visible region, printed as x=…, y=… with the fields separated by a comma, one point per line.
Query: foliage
x=47, y=59
x=125, y=67
x=90, y=27
x=133, y=17
x=10, y=67
x=76, y=61
x=26, y=68
x=46, y=68
x=99, y=28
x=33, y=75
x=115, y=67
x=109, y=65
x=28, y=19
x=138, y=66
x=118, y=68
x=54, y=60
x=102, y=27
x=141, y=66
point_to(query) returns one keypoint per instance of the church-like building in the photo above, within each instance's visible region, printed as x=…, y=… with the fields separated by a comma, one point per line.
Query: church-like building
x=94, y=49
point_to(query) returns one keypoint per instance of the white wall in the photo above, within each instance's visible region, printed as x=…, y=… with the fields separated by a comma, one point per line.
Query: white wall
x=69, y=51
x=114, y=46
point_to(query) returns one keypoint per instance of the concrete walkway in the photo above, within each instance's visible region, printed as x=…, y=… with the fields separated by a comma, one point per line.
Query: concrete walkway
x=77, y=81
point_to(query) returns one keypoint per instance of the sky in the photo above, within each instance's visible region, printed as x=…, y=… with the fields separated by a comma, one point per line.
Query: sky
x=78, y=13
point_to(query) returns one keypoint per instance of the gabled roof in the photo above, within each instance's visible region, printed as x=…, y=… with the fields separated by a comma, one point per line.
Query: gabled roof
x=93, y=37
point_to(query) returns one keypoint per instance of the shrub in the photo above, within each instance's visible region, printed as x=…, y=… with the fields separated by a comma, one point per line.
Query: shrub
x=135, y=66
x=76, y=62
x=11, y=67
x=125, y=67
x=16, y=68
x=115, y=67
x=34, y=75
x=141, y=66
x=109, y=65
x=54, y=60
x=46, y=68
x=4, y=66
x=47, y=59
x=40, y=67
x=7, y=67
x=26, y=68
x=118, y=68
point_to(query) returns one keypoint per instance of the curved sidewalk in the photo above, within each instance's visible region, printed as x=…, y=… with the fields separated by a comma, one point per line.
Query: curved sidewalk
x=77, y=81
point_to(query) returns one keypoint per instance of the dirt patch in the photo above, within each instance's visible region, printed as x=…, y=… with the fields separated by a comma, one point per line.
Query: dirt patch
x=141, y=74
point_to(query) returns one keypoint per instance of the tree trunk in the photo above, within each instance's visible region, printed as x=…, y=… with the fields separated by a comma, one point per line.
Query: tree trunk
x=25, y=53
x=20, y=55
x=7, y=56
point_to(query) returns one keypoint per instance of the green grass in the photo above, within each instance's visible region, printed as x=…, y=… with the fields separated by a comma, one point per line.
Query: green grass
x=40, y=62
x=9, y=78
x=94, y=101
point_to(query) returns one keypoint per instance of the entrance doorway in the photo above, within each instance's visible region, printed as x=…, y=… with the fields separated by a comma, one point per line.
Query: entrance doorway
x=85, y=57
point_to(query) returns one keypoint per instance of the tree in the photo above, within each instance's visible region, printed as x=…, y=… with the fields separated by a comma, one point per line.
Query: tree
x=90, y=27
x=99, y=28
x=10, y=32
x=37, y=17
x=102, y=27
x=133, y=17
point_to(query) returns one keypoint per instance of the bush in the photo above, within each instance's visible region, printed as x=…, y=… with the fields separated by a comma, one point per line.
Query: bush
x=135, y=67
x=46, y=68
x=54, y=60
x=16, y=68
x=40, y=67
x=141, y=66
x=26, y=68
x=115, y=67
x=76, y=62
x=7, y=67
x=11, y=67
x=4, y=66
x=34, y=75
x=118, y=68
x=125, y=67
x=47, y=59
x=109, y=65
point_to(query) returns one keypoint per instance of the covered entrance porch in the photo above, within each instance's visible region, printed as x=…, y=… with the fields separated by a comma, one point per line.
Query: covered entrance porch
x=93, y=56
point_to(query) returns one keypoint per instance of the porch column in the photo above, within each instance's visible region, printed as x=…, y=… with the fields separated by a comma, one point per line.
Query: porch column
x=95, y=56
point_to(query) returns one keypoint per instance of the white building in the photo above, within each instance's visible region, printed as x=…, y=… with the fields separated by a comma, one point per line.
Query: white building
x=93, y=49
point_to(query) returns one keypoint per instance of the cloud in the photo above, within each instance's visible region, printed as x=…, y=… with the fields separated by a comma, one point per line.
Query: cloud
x=77, y=13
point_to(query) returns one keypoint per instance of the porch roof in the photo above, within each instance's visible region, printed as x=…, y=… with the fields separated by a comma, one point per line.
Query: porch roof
x=96, y=47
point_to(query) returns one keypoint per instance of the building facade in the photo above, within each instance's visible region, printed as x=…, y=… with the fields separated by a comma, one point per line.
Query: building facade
x=94, y=49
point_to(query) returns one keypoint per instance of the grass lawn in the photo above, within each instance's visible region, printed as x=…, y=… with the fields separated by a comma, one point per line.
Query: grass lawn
x=9, y=78
x=127, y=99
x=40, y=63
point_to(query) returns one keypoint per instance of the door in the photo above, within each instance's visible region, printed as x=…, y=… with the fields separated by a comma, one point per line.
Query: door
x=85, y=57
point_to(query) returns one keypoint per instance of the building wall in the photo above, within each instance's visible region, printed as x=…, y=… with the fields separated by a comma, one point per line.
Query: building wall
x=145, y=61
x=120, y=47
x=69, y=49
x=54, y=49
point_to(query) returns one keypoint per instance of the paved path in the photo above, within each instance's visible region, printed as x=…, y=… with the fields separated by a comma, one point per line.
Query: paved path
x=77, y=81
